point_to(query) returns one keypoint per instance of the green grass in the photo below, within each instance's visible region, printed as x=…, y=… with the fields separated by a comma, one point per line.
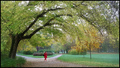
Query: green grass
x=7, y=62
x=98, y=60
x=37, y=56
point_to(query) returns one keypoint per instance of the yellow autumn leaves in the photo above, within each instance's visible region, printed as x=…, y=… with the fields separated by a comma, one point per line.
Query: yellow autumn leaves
x=91, y=39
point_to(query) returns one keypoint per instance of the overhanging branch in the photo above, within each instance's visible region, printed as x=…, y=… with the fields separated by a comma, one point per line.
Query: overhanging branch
x=90, y=23
x=46, y=24
x=40, y=15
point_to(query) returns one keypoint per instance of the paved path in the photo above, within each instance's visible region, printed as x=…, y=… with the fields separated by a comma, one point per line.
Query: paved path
x=51, y=62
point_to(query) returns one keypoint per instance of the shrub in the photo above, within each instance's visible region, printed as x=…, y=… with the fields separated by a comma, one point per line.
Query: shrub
x=8, y=62
x=83, y=52
x=73, y=52
x=20, y=51
x=41, y=52
x=4, y=56
x=20, y=61
x=28, y=52
x=47, y=50
x=38, y=54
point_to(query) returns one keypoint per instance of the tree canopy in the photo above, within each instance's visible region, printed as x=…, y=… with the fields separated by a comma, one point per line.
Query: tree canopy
x=45, y=21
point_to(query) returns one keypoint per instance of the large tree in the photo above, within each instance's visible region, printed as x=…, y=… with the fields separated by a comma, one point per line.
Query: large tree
x=23, y=20
x=20, y=17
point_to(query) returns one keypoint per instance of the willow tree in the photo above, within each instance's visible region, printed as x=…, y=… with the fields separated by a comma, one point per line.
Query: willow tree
x=23, y=20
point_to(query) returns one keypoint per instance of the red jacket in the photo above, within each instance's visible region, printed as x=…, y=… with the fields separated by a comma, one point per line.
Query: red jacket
x=45, y=55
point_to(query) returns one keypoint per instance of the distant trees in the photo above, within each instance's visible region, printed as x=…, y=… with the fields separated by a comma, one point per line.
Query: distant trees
x=110, y=45
x=68, y=46
x=91, y=39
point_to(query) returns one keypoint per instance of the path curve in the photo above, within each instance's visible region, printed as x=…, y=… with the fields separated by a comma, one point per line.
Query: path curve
x=51, y=62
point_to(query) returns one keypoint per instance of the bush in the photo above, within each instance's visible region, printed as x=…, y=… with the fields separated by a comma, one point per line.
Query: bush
x=41, y=52
x=8, y=62
x=38, y=54
x=20, y=61
x=83, y=53
x=49, y=52
x=28, y=52
x=73, y=52
x=4, y=56
x=20, y=51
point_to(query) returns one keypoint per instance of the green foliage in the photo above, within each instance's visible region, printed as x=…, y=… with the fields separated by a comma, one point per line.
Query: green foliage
x=43, y=50
x=5, y=43
x=26, y=46
x=28, y=52
x=20, y=61
x=56, y=47
x=83, y=53
x=41, y=40
x=67, y=46
x=20, y=51
x=74, y=52
x=3, y=55
x=16, y=17
x=7, y=62
x=110, y=45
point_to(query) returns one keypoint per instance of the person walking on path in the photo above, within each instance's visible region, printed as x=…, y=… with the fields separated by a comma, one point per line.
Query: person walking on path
x=45, y=55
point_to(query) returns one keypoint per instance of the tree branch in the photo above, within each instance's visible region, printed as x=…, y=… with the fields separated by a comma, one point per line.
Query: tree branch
x=64, y=15
x=47, y=24
x=91, y=23
x=29, y=36
x=40, y=15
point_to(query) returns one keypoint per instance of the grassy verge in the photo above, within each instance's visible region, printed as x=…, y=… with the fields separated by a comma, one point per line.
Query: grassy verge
x=98, y=60
x=36, y=56
x=7, y=62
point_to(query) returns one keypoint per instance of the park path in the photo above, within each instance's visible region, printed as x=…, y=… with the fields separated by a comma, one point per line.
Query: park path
x=51, y=62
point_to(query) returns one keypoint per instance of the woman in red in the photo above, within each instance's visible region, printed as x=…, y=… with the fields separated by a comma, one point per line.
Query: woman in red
x=45, y=55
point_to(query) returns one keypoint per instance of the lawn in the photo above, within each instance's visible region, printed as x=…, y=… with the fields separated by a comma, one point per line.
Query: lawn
x=98, y=60
x=37, y=56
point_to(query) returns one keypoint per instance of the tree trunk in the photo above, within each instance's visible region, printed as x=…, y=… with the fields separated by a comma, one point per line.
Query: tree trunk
x=14, y=45
x=98, y=50
x=37, y=48
x=66, y=51
x=90, y=51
